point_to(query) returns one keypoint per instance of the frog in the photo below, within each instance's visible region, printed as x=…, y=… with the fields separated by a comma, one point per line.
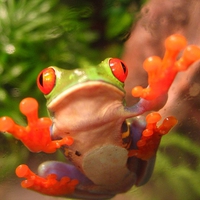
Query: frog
x=109, y=147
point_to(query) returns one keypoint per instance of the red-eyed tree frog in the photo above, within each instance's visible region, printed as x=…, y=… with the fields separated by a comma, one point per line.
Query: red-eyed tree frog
x=109, y=147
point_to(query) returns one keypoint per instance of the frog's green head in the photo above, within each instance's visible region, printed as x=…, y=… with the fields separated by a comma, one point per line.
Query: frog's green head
x=54, y=82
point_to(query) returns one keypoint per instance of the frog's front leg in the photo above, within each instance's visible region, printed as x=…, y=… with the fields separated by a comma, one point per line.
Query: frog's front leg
x=162, y=72
x=36, y=135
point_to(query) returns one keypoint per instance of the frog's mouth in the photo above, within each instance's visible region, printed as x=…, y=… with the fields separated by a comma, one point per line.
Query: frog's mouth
x=88, y=92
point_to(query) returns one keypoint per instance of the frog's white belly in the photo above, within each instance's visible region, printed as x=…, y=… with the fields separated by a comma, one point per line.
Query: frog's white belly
x=106, y=166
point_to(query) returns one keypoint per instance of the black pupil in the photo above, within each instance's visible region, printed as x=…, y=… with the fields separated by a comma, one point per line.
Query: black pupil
x=124, y=67
x=41, y=79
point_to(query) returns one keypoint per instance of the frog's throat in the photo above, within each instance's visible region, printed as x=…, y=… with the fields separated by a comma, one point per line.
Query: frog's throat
x=90, y=87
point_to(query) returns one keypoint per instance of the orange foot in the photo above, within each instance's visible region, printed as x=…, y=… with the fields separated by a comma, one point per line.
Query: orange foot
x=36, y=136
x=151, y=136
x=161, y=73
x=49, y=185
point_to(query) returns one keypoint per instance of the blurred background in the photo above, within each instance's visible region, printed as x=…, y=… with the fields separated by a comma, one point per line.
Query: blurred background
x=73, y=33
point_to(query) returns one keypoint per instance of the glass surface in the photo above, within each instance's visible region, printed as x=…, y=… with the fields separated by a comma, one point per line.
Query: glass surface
x=70, y=34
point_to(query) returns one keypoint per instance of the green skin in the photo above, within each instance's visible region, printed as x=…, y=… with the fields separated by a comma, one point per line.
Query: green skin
x=66, y=79
x=88, y=105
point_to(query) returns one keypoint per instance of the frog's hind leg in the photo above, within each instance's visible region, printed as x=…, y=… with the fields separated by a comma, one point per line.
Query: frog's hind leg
x=146, y=138
x=149, y=142
x=50, y=184
x=146, y=167
x=59, y=179
x=62, y=170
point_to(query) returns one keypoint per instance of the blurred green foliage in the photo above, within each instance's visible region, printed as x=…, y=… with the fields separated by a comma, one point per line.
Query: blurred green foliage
x=69, y=34
x=12, y=154
x=177, y=170
x=179, y=156
x=176, y=173
x=37, y=34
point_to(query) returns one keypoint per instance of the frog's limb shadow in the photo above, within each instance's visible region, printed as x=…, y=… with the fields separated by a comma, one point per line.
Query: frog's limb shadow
x=162, y=72
x=149, y=142
x=36, y=135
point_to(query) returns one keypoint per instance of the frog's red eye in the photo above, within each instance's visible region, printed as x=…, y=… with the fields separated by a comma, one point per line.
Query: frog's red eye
x=46, y=80
x=119, y=69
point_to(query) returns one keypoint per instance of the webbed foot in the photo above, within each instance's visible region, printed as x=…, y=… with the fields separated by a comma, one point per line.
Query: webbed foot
x=49, y=185
x=36, y=135
x=61, y=179
x=161, y=72
x=151, y=136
